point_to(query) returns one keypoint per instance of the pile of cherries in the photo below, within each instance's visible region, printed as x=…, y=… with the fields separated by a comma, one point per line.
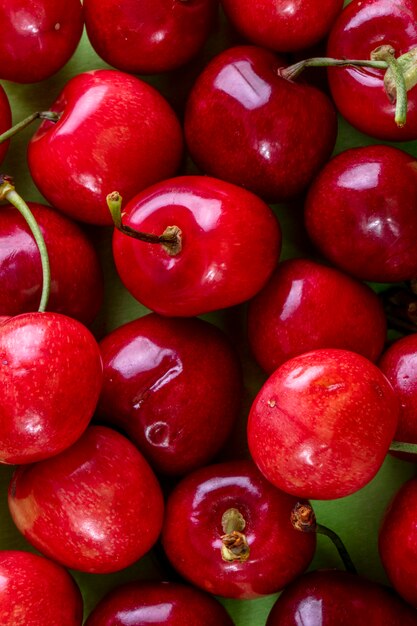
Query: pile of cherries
x=248, y=379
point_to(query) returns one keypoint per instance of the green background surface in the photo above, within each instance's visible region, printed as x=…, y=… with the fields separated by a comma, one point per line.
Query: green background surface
x=355, y=518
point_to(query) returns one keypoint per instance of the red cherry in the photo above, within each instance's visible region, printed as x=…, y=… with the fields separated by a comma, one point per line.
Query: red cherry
x=336, y=598
x=246, y=124
x=76, y=278
x=115, y=132
x=159, y=604
x=5, y=120
x=50, y=376
x=359, y=93
x=174, y=386
x=360, y=212
x=230, y=244
x=263, y=555
x=398, y=541
x=306, y=306
x=151, y=36
x=96, y=507
x=37, y=37
x=283, y=25
x=35, y=592
x=321, y=425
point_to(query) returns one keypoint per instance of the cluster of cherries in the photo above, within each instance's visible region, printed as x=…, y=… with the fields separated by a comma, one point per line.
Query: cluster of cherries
x=101, y=429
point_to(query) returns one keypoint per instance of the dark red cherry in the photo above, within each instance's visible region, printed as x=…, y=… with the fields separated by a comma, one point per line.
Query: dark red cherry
x=5, y=120
x=159, y=604
x=283, y=25
x=228, y=531
x=398, y=541
x=306, y=306
x=246, y=124
x=37, y=37
x=76, y=277
x=174, y=386
x=150, y=36
x=336, y=598
x=361, y=213
x=359, y=92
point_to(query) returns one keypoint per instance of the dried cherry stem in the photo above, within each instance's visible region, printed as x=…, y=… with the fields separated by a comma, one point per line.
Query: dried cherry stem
x=235, y=546
x=382, y=58
x=7, y=192
x=170, y=239
x=52, y=116
x=303, y=519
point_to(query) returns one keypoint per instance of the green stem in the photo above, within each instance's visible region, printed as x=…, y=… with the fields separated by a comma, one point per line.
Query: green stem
x=170, y=239
x=39, y=115
x=293, y=71
x=387, y=54
x=401, y=446
x=303, y=519
x=7, y=192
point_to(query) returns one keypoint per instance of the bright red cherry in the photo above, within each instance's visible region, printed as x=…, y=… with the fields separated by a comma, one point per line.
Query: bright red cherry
x=283, y=25
x=322, y=423
x=228, y=245
x=246, y=124
x=50, y=376
x=159, y=604
x=35, y=591
x=76, y=277
x=150, y=36
x=306, y=306
x=359, y=93
x=228, y=531
x=115, y=132
x=336, y=598
x=37, y=37
x=5, y=120
x=361, y=213
x=96, y=507
x=398, y=541
x=174, y=386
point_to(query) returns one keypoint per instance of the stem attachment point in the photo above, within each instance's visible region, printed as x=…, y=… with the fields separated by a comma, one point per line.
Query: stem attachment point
x=235, y=546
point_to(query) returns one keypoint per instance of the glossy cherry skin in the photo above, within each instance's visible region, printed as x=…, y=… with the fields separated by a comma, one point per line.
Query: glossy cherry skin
x=96, y=507
x=5, y=120
x=337, y=598
x=174, y=386
x=151, y=36
x=159, y=604
x=306, y=306
x=35, y=591
x=193, y=528
x=37, y=37
x=321, y=425
x=231, y=242
x=283, y=25
x=246, y=124
x=399, y=364
x=398, y=541
x=76, y=276
x=115, y=133
x=50, y=376
x=360, y=212
x=359, y=93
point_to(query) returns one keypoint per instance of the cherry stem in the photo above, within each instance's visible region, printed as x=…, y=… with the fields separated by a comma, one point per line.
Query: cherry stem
x=52, y=116
x=7, y=192
x=303, y=519
x=402, y=446
x=383, y=58
x=170, y=239
x=235, y=546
